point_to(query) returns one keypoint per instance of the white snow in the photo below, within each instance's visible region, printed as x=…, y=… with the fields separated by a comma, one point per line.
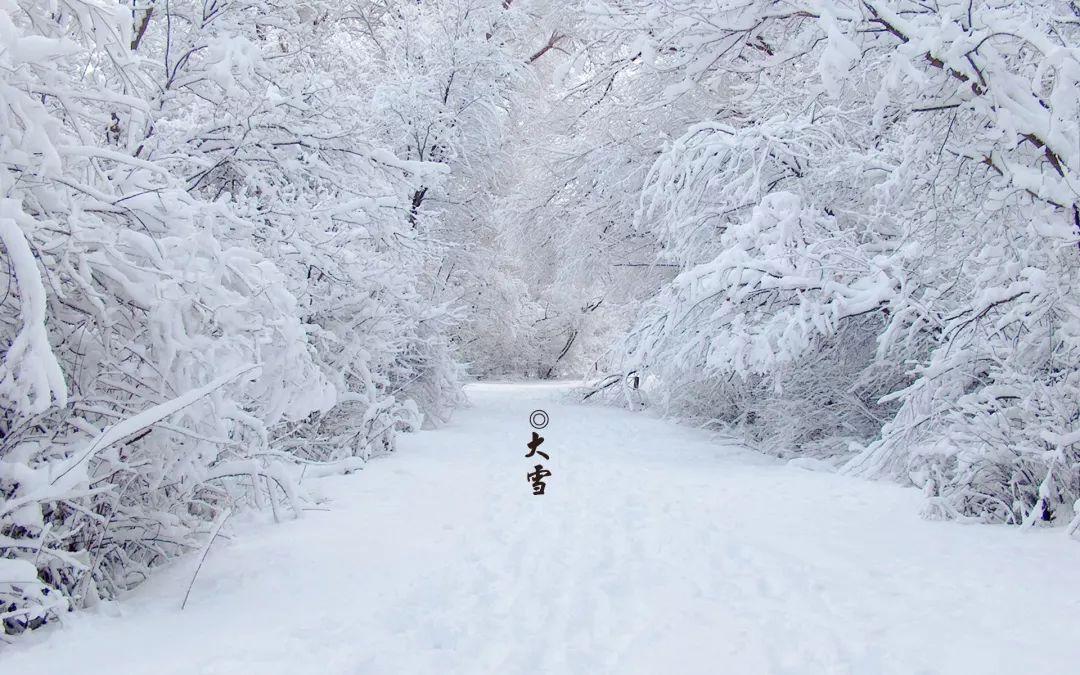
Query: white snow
x=657, y=549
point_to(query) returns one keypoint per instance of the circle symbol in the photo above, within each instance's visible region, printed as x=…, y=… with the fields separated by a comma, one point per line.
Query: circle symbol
x=538, y=419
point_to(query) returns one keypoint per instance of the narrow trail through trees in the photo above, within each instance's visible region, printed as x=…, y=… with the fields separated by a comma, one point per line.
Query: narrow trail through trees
x=657, y=548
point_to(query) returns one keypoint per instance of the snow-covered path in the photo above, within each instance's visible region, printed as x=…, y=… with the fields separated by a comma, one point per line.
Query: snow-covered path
x=656, y=550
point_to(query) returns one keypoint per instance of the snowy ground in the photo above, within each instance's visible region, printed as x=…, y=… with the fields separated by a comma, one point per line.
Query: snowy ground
x=656, y=550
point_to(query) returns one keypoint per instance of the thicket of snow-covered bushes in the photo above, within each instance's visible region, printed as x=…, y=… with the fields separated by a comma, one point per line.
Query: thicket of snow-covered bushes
x=872, y=224
x=859, y=237
x=220, y=270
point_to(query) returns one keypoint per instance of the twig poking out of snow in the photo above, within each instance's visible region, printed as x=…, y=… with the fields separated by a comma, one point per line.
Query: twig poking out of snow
x=205, y=551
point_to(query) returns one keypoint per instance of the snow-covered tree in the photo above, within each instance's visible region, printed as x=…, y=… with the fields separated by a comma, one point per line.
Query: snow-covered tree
x=212, y=279
x=876, y=233
x=142, y=354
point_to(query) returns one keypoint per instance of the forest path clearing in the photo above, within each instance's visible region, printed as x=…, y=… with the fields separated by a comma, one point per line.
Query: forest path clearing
x=655, y=550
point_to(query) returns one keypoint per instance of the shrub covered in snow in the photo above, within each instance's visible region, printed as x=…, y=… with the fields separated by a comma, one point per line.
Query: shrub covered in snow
x=875, y=230
x=214, y=273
